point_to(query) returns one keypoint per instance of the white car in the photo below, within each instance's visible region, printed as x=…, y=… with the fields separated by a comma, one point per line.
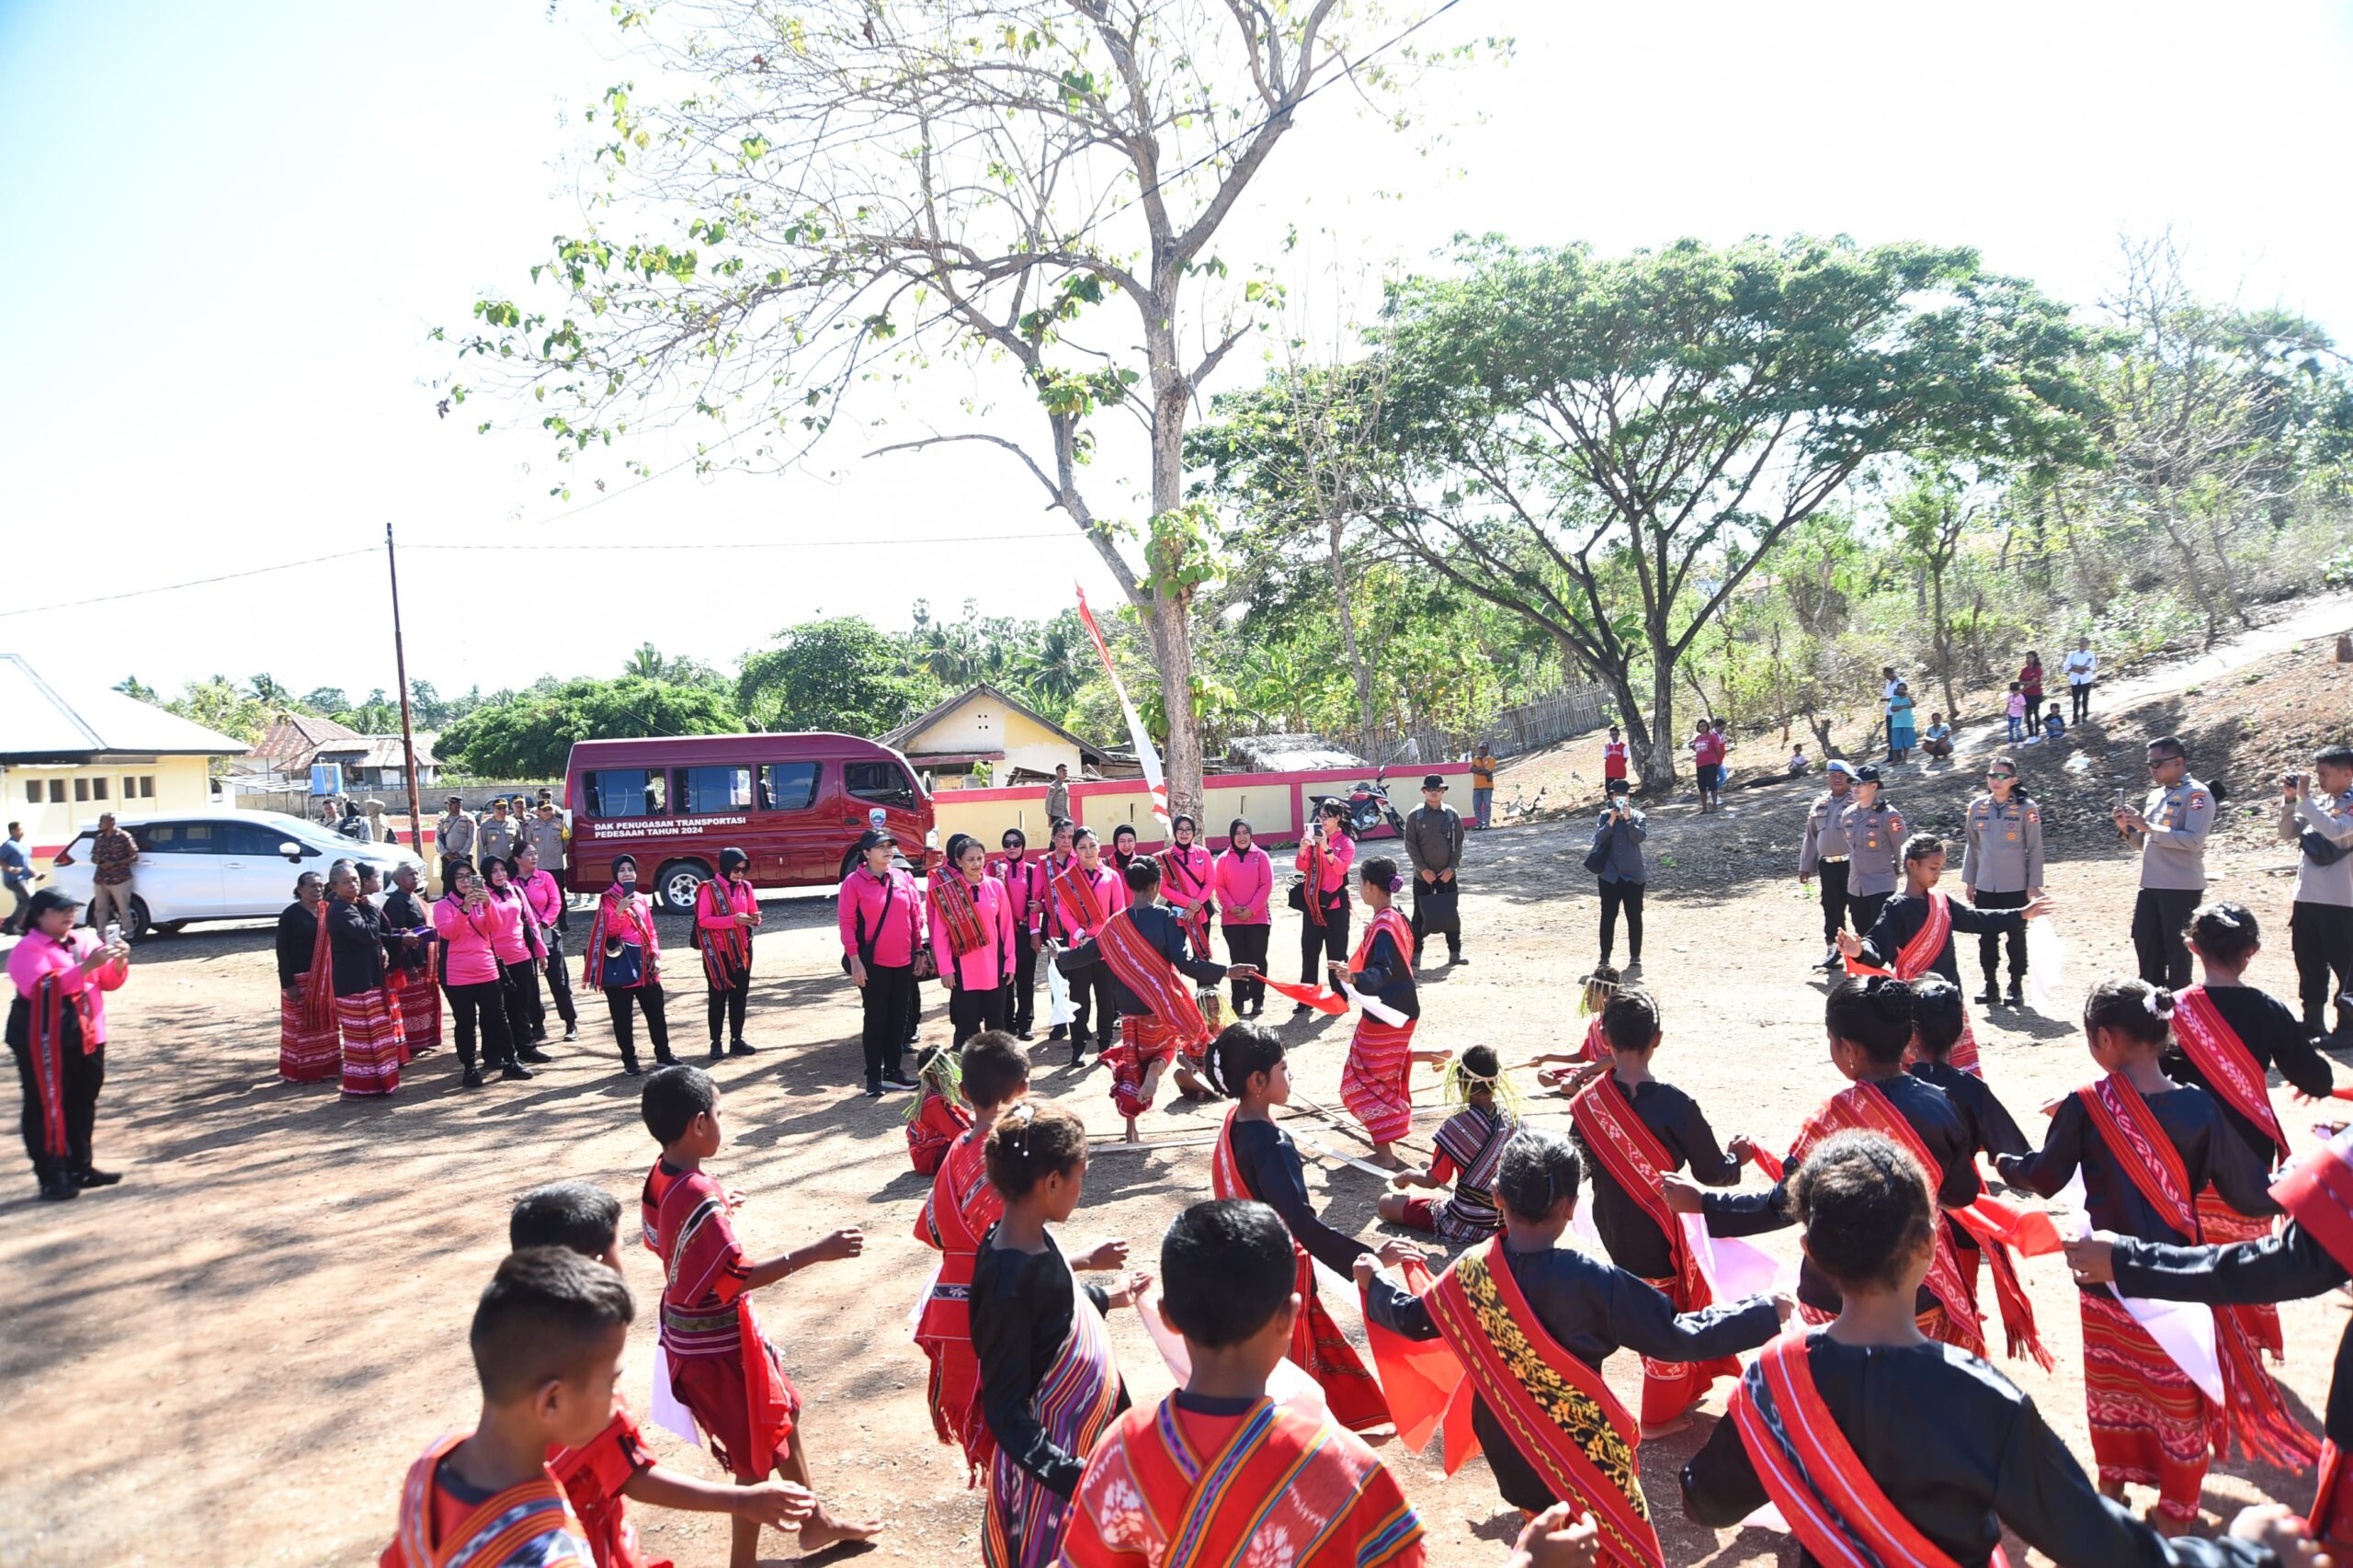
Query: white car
x=218, y=864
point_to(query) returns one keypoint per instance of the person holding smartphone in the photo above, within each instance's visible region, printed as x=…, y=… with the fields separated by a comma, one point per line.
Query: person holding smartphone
x=1323, y=859
x=57, y=1031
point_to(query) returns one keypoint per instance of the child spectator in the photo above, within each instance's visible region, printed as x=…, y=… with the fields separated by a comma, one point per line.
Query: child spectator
x=1936, y=739
x=600, y=1475
x=2054, y=726
x=1799, y=763
x=745, y=1407
x=547, y=1342
x=1245, y=1479
x=2017, y=711
x=933, y=1119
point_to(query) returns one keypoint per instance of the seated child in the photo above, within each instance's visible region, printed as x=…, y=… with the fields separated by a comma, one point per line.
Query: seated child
x=1470, y=1142
x=1917, y=1441
x=1049, y=1382
x=1936, y=739
x=1593, y=999
x=2054, y=726
x=746, y=1408
x=933, y=1119
x=615, y=1465
x=1799, y=763
x=1247, y=1479
x=547, y=1342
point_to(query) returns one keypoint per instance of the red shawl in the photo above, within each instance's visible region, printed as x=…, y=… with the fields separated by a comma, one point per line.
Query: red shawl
x=318, y=986
x=1400, y=932
x=1635, y=1159
x=1145, y=971
x=2208, y=1040
x=1920, y=955
x=1186, y=874
x=640, y=929
x=951, y=900
x=955, y=1219
x=2318, y=1195
x=1077, y=883
x=528, y=1522
x=2138, y=1141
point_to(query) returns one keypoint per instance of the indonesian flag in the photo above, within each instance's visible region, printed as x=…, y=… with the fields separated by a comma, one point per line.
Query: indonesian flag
x=1145, y=754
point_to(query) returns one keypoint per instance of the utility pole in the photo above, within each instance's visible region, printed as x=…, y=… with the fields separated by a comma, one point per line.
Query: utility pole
x=408, y=729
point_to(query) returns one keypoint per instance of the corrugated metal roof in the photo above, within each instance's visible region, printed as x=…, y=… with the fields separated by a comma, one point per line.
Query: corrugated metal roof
x=57, y=717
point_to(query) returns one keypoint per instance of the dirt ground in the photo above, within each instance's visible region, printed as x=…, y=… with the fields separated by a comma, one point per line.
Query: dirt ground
x=233, y=1357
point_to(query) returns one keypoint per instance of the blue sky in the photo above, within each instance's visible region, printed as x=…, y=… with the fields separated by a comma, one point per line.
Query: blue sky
x=228, y=229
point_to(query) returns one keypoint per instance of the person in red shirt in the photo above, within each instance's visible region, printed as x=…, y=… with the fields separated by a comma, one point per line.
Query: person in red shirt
x=1707, y=746
x=600, y=1476
x=1613, y=756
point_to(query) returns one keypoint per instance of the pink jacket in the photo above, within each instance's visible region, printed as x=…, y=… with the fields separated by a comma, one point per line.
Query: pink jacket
x=1186, y=876
x=1339, y=854
x=471, y=940
x=1246, y=885
x=516, y=938
x=989, y=965
x=889, y=913
x=1111, y=890
x=36, y=958
x=1026, y=888
x=741, y=899
x=545, y=897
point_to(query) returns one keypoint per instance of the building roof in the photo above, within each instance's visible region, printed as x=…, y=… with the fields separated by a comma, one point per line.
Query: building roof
x=898, y=738
x=71, y=720
x=297, y=740
x=384, y=751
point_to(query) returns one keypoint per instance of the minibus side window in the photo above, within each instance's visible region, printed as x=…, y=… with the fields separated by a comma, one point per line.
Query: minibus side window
x=788, y=786
x=712, y=791
x=625, y=792
x=884, y=782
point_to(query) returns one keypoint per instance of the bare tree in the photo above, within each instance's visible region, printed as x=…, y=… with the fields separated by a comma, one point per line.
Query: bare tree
x=854, y=191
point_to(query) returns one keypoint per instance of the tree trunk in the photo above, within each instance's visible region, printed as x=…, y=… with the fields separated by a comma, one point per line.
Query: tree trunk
x=1941, y=634
x=2188, y=553
x=1356, y=667
x=1658, y=759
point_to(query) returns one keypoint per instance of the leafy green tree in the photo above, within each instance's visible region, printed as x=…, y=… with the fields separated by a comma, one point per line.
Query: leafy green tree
x=132, y=686
x=530, y=735
x=845, y=191
x=220, y=704
x=840, y=673
x=1609, y=447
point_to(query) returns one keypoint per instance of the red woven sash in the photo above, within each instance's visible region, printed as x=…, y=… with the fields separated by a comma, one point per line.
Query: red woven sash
x=1144, y=970
x=1928, y=942
x=1077, y=885
x=1560, y=1412
x=2318, y=1195
x=533, y=1514
x=318, y=990
x=1635, y=1159
x=1597, y=1044
x=1188, y=880
x=1317, y=915
x=1813, y=1475
x=1401, y=933
x=2207, y=1039
x=951, y=900
x=2134, y=1136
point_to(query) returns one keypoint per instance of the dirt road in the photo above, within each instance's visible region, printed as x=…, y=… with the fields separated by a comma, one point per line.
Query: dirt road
x=232, y=1357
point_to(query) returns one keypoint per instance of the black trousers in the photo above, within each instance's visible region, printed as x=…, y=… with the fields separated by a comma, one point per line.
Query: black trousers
x=527, y=1016
x=1318, y=943
x=1989, y=943
x=2323, y=943
x=1092, y=1017
x=725, y=1010
x=1021, y=991
x=82, y=1074
x=485, y=1000
x=657, y=1022
x=1247, y=944
x=1626, y=896
x=1445, y=912
x=560, y=978
x=1832, y=877
x=2083, y=700
x=888, y=997
x=1863, y=908
x=970, y=1011
x=2160, y=916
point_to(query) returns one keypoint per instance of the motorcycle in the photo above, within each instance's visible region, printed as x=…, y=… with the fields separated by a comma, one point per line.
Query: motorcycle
x=1368, y=806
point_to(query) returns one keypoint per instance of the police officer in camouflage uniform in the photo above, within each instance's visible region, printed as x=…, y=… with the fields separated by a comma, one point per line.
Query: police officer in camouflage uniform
x=2001, y=868
x=2170, y=831
x=1825, y=853
x=1874, y=833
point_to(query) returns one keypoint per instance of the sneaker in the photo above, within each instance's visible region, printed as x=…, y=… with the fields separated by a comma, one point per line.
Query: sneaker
x=740, y=1048
x=1078, y=1056
x=630, y=1069
x=94, y=1178
x=58, y=1188
x=571, y=1033
x=1023, y=1034
x=1833, y=960
x=718, y=1052
x=1989, y=996
x=534, y=1055
x=1059, y=1031
x=873, y=1091
x=664, y=1059
x=1456, y=957
x=472, y=1080
x=1634, y=970
x=515, y=1071
x=898, y=1086
x=2017, y=994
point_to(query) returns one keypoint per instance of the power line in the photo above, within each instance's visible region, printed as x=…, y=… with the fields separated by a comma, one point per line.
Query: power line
x=194, y=583
x=1070, y=533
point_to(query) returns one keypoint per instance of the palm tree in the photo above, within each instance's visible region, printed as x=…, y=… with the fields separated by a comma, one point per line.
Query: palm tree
x=267, y=691
x=646, y=663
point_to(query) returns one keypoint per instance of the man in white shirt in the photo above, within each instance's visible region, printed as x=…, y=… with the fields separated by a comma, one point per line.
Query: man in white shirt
x=2082, y=666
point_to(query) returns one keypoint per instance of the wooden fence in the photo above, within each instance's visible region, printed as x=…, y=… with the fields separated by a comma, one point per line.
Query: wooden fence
x=1569, y=711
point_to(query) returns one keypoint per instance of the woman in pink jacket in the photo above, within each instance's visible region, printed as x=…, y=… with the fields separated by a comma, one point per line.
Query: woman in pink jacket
x=623, y=959
x=880, y=917
x=1087, y=892
x=1324, y=859
x=544, y=894
x=971, y=938
x=468, y=923
x=57, y=1031
x=520, y=953
x=1245, y=879
x=727, y=911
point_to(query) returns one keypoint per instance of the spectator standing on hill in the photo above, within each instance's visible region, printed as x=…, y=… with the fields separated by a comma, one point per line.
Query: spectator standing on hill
x=1613, y=756
x=1058, y=796
x=2015, y=707
x=2170, y=831
x=2319, y=812
x=1824, y=853
x=1484, y=764
x=113, y=853
x=2030, y=681
x=1707, y=758
x=454, y=837
x=2083, y=666
x=1616, y=858
x=1901, y=736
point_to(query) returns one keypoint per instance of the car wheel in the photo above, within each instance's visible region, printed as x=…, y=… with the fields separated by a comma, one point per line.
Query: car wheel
x=679, y=881
x=138, y=928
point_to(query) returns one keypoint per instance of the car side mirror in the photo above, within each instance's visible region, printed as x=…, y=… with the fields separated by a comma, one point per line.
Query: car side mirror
x=291, y=850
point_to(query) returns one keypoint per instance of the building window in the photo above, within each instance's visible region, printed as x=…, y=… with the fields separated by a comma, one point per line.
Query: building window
x=32, y=792
x=56, y=791
x=146, y=786
x=81, y=789
x=99, y=787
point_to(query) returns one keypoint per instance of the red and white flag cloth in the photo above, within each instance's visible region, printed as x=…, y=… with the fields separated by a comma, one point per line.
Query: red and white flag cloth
x=1145, y=752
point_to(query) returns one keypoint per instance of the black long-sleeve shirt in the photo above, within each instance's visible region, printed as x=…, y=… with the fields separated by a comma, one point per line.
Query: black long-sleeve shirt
x=1902, y=916
x=1589, y=1308
x=2275, y=1038
x=1162, y=928
x=1636, y=1243
x=1991, y=1128
x=1941, y=1130
x=2192, y=1122
x=297, y=937
x=1387, y=975
x=355, y=945
x=1960, y=1451
x=1022, y=1303
x=403, y=913
x=2285, y=1268
x=1274, y=1175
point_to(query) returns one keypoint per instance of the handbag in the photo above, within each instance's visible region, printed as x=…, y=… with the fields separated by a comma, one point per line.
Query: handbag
x=1297, y=897
x=2320, y=850
x=1597, y=859
x=624, y=964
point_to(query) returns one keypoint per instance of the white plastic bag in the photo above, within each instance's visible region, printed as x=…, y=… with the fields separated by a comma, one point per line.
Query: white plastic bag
x=2046, y=962
x=1059, y=1012
x=666, y=1410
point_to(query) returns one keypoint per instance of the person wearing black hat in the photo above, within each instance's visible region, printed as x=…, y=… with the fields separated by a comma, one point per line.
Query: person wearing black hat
x=1434, y=843
x=57, y=1031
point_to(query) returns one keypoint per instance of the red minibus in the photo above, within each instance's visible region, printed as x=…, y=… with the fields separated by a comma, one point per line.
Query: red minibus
x=795, y=803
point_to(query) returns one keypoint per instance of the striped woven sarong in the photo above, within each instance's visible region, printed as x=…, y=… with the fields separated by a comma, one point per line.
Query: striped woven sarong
x=2148, y=1420
x=1075, y=1400
x=371, y=1042
x=420, y=1004
x=1373, y=1084
x=304, y=1055
x=2222, y=1226
x=1143, y=1041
